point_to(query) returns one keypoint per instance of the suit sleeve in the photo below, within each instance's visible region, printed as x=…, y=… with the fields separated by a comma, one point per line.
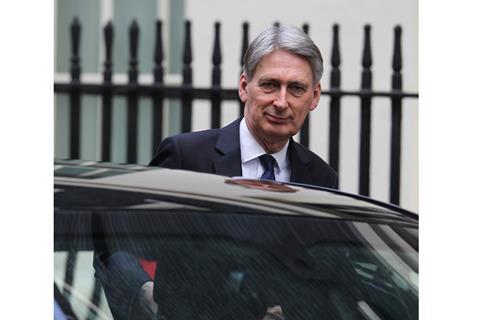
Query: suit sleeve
x=121, y=276
x=168, y=155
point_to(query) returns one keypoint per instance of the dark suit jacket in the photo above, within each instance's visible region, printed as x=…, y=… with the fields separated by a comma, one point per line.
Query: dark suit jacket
x=218, y=151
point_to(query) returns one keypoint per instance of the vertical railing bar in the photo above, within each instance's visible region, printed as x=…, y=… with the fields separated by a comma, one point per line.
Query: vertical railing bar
x=366, y=106
x=216, y=79
x=396, y=134
x=132, y=103
x=106, y=143
x=107, y=94
x=305, y=130
x=158, y=97
x=70, y=266
x=75, y=69
x=187, y=80
x=245, y=43
x=334, y=134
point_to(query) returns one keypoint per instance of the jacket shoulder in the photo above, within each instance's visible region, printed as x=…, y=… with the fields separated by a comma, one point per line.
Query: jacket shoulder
x=196, y=137
x=176, y=151
x=311, y=168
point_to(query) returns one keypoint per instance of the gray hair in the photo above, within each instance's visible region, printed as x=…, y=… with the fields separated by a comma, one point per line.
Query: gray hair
x=289, y=38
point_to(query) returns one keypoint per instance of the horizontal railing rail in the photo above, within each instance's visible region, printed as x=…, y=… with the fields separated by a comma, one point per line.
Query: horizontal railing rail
x=206, y=93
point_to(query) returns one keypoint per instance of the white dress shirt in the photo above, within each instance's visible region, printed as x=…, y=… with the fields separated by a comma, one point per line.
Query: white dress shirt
x=250, y=150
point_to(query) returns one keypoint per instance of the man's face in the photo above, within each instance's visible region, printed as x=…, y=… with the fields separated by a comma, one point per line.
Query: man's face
x=279, y=96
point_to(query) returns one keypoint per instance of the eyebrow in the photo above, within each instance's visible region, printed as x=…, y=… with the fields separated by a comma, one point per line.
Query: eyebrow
x=299, y=83
x=267, y=79
x=271, y=79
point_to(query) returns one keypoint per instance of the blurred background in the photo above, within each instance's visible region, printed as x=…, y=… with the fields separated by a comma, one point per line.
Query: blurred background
x=351, y=17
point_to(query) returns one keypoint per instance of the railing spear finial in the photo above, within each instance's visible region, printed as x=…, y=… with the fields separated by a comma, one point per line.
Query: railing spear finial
x=133, y=41
x=245, y=43
x=75, y=100
x=187, y=54
x=75, y=30
x=397, y=60
x=367, y=51
x=186, y=125
x=305, y=28
x=216, y=79
x=159, y=55
x=335, y=75
x=107, y=96
x=217, y=56
x=108, y=37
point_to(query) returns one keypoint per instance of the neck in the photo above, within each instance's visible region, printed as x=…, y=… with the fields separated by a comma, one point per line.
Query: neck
x=269, y=145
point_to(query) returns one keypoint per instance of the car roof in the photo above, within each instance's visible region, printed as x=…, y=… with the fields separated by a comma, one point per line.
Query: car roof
x=266, y=196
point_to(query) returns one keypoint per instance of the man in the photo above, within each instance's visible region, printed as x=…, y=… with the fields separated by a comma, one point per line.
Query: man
x=280, y=85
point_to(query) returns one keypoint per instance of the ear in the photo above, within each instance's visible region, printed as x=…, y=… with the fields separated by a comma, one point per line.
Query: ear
x=242, y=87
x=316, y=96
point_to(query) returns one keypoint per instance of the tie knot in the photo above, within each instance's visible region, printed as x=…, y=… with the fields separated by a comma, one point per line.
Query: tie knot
x=267, y=161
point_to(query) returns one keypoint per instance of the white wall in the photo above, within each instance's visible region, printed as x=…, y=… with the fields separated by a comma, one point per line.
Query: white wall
x=351, y=15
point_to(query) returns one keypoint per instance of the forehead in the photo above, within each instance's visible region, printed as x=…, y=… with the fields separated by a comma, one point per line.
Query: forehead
x=283, y=64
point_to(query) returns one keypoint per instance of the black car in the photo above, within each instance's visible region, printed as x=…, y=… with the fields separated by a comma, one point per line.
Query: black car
x=214, y=247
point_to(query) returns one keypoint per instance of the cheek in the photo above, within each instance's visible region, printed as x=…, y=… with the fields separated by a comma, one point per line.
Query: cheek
x=261, y=99
x=301, y=111
x=257, y=106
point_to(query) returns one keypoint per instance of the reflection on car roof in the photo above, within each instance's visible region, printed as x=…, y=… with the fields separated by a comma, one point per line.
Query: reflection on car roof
x=279, y=197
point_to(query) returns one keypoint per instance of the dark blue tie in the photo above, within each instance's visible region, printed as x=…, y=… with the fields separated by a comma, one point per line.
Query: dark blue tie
x=268, y=162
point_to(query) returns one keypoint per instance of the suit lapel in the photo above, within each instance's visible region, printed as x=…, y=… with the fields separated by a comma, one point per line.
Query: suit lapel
x=228, y=145
x=229, y=163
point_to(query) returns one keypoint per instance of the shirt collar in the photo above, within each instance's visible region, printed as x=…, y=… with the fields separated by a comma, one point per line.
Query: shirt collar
x=250, y=149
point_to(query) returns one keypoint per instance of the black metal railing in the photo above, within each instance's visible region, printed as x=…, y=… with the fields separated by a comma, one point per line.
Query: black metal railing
x=186, y=92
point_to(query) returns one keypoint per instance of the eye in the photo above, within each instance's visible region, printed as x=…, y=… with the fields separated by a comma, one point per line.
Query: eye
x=268, y=86
x=297, y=89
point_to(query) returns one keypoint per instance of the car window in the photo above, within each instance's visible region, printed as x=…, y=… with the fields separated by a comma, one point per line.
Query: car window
x=218, y=262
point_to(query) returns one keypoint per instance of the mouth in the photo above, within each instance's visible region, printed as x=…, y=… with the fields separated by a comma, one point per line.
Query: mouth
x=277, y=119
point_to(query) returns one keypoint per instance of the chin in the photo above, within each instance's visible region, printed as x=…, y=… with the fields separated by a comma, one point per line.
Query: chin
x=279, y=134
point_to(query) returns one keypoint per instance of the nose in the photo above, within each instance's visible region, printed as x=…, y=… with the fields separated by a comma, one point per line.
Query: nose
x=280, y=101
